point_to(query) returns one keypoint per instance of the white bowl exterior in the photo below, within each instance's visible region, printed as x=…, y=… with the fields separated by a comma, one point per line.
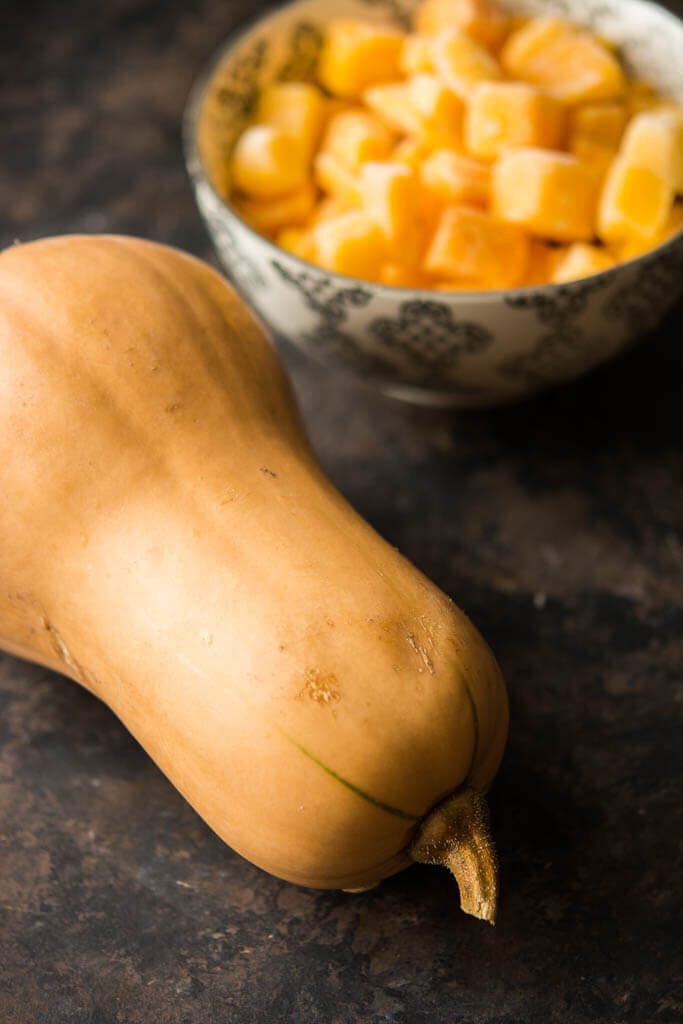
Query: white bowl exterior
x=468, y=349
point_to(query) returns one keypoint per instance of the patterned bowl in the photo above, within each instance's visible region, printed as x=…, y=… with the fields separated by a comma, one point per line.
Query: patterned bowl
x=434, y=348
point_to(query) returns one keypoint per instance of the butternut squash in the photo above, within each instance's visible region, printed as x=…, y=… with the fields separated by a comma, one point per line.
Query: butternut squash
x=168, y=540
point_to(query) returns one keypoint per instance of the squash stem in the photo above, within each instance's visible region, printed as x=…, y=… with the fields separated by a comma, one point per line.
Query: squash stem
x=456, y=834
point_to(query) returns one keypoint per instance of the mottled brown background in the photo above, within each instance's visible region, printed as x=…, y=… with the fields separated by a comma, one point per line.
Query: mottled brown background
x=557, y=525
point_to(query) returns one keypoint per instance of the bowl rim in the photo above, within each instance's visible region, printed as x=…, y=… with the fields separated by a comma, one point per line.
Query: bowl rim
x=199, y=174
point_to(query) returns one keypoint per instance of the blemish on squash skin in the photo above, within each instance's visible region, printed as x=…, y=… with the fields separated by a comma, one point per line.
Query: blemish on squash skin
x=230, y=495
x=322, y=689
x=422, y=653
x=268, y=472
x=58, y=645
x=60, y=648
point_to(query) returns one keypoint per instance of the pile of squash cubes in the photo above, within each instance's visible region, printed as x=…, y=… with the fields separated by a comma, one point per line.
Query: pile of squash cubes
x=479, y=151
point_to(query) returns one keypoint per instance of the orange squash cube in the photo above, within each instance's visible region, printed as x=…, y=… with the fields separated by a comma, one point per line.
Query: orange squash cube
x=551, y=194
x=336, y=105
x=351, y=244
x=354, y=136
x=600, y=123
x=640, y=96
x=336, y=179
x=330, y=206
x=391, y=104
x=580, y=260
x=398, y=275
x=543, y=259
x=503, y=114
x=298, y=108
x=422, y=105
x=416, y=55
x=470, y=245
x=439, y=110
x=438, y=107
x=297, y=241
x=411, y=151
x=454, y=179
x=595, y=157
x=269, y=215
x=635, y=202
x=654, y=139
x=634, y=247
x=460, y=62
x=267, y=163
x=356, y=55
x=390, y=198
x=480, y=19
x=566, y=60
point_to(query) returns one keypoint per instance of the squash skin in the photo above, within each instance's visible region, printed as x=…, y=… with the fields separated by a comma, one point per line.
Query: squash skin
x=168, y=540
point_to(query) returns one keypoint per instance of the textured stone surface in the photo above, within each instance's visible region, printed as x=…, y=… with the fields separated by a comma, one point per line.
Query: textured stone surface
x=557, y=525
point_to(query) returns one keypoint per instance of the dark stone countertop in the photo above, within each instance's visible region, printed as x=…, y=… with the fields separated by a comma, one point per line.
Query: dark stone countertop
x=556, y=524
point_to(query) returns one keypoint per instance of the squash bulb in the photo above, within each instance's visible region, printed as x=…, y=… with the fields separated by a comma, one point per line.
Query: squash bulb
x=168, y=540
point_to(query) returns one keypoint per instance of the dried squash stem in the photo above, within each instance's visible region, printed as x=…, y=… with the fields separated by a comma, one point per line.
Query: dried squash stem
x=456, y=834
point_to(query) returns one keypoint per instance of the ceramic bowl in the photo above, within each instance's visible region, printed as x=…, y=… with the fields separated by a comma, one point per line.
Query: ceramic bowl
x=436, y=348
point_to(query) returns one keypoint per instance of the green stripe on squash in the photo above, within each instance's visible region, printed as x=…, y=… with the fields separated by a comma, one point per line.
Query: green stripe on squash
x=379, y=804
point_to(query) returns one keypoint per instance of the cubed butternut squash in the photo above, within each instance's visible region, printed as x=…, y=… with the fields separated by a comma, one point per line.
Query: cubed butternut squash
x=400, y=275
x=480, y=19
x=332, y=206
x=483, y=150
x=297, y=241
x=412, y=151
x=354, y=136
x=635, y=202
x=389, y=192
x=595, y=157
x=416, y=55
x=549, y=193
x=392, y=105
x=601, y=123
x=298, y=108
x=631, y=248
x=580, y=260
x=438, y=107
x=564, y=59
x=654, y=140
x=351, y=244
x=471, y=245
x=422, y=106
x=269, y=215
x=504, y=114
x=358, y=54
x=461, y=62
x=640, y=96
x=542, y=261
x=267, y=162
x=336, y=179
x=456, y=179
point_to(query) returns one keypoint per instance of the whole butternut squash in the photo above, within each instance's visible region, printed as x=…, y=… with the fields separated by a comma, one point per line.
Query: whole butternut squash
x=168, y=540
